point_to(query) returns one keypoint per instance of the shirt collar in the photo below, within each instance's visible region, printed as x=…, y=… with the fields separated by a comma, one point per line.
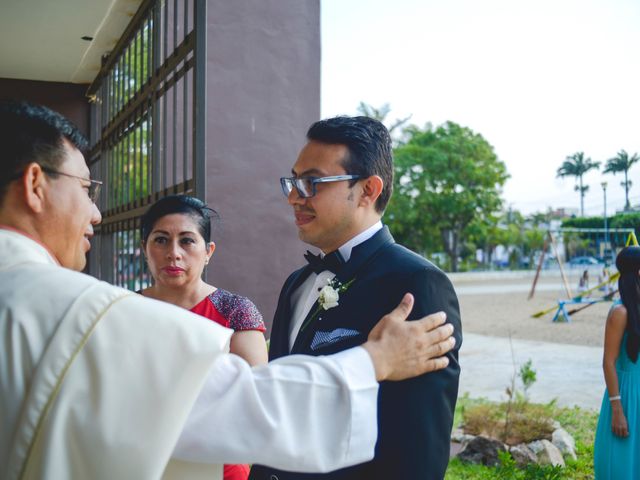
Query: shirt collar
x=345, y=250
x=29, y=242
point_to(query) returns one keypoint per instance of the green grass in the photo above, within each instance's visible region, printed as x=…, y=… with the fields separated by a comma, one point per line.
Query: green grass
x=581, y=424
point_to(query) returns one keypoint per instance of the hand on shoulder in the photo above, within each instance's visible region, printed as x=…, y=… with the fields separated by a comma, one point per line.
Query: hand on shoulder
x=401, y=349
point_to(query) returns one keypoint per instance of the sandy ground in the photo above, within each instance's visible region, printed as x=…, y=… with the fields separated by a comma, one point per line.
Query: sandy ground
x=497, y=305
x=566, y=356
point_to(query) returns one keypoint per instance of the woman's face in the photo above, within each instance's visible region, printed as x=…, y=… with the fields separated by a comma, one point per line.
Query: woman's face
x=176, y=252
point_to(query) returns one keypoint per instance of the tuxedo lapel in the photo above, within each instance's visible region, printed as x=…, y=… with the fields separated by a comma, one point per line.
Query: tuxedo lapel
x=304, y=334
x=279, y=340
x=364, y=253
x=361, y=255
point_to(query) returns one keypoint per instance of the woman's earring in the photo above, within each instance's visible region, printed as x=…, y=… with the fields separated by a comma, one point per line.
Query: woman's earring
x=206, y=262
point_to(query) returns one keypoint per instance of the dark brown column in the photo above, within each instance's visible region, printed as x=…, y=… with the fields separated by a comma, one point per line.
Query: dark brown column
x=263, y=92
x=65, y=98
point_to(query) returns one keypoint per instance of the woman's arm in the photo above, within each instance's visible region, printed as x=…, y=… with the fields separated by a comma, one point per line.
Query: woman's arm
x=613, y=333
x=250, y=345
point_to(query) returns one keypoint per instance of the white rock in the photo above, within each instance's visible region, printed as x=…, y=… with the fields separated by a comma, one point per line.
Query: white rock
x=549, y=454
x=565, y=442
x=536, y=446
x=459, y=436
x=523, y=455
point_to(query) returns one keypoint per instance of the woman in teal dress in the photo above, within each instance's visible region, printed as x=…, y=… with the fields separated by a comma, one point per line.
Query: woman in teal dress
x=617, y=444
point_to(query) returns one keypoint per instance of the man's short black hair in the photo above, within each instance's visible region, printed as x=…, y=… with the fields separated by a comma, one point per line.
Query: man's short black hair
x=369, y=145
x=32, y=133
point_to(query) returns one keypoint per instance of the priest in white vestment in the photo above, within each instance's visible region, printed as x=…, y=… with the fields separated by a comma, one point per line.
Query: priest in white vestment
x=98, y=382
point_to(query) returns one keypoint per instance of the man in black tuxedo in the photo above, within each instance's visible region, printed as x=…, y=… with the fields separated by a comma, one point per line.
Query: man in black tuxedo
x=341, y=184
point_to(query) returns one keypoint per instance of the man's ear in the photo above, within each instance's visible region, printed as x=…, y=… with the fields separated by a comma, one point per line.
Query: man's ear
x=371, y=190
x=33, y=182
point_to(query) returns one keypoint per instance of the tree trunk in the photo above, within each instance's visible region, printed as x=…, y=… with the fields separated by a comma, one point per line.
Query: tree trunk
x=454, y=253
x=581, y=198
x=626, y=192
x=450, y=242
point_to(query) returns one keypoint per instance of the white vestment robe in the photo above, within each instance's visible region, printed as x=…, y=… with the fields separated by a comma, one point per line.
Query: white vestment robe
x=98, y=382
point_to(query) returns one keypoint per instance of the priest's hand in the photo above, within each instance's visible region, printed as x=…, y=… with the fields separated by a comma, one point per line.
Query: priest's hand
x=401, y=349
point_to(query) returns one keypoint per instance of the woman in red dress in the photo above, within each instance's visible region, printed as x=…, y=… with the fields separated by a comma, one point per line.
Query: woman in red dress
x=176, y=237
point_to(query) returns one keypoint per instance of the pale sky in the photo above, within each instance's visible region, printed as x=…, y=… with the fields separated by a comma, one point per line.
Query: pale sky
x=539, y=80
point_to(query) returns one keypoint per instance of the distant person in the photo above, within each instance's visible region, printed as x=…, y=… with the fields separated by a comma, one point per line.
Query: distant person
x=339, y=189
x=97, y=382
x=176, y=238
x=604, y=280
x=583, y=283
x=617, y=443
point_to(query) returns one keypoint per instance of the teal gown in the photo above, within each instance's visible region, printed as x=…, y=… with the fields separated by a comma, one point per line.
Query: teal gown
x=618, y=458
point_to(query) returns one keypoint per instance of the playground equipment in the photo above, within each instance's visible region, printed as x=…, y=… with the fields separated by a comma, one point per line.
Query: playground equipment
x=562, y=314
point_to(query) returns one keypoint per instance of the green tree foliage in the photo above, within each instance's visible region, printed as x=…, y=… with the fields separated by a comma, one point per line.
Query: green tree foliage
x=577, y=165
x=533, y=242
x=128, y=158
x=486, y=234
x=622, y=162
x=585, y=243
x=620, y=220
x=446, y=178
x=626, y=220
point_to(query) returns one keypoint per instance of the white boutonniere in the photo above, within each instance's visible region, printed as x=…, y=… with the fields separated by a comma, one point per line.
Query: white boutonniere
x=329, y=297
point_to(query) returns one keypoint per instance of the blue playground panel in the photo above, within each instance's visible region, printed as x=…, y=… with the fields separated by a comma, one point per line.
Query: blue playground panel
x=562, y=307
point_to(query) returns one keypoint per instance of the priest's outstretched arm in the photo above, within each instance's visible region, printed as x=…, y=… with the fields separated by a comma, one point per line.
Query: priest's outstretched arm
x=305, y=413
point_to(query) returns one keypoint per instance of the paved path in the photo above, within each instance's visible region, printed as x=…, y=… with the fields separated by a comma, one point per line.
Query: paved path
x=572, y=374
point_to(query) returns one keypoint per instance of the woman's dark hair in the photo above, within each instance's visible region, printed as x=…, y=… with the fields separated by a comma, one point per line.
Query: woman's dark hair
x=628, y=263
x=184, y=204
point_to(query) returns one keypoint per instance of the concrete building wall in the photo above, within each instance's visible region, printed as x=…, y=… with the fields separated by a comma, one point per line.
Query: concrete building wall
x=263, y=92
x=66, y=98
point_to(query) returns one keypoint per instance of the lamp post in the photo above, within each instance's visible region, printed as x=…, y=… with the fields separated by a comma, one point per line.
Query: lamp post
x=606, y=237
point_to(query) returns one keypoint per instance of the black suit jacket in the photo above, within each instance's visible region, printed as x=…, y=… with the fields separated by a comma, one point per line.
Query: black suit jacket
x=415, y=416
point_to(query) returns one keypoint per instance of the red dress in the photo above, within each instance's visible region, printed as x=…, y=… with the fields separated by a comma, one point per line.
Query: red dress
x=231, y=311
x=237, y=313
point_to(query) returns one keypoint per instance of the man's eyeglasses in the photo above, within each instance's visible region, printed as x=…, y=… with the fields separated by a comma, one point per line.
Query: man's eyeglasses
x=93, y=189
x=306, y=186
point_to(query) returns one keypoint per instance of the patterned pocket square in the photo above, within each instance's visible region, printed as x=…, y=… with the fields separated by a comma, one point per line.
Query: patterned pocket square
x=323, y=339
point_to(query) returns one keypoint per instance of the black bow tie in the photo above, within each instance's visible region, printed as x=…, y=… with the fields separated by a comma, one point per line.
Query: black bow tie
x=331, y=262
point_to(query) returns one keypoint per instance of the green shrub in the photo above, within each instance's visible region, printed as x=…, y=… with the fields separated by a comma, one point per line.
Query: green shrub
x=527, y=422
x=579, y=423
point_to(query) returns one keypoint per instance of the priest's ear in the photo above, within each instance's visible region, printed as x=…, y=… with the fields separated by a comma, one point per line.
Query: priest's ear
x=371, y=190
x=34, y=185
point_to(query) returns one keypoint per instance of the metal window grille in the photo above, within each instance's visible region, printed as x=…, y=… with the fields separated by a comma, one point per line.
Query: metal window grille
x=147, y=129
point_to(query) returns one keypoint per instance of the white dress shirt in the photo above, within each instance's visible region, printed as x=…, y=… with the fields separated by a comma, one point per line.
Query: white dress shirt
x=306, y=294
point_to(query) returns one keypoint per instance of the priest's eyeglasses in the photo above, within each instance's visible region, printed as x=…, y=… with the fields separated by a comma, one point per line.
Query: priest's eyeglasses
x=306, y=186
x=93, y=189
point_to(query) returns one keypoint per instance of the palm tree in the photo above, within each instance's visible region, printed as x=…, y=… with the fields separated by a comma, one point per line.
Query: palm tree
x=622, y=162
x=576, y=166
